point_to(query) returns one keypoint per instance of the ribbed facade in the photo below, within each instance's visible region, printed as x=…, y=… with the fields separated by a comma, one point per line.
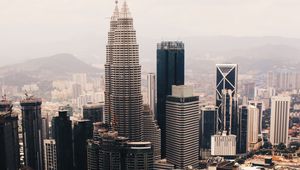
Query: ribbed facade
x=123, y=77
x=32, y=133
x=139, y=155
x=182, y=124
x=223, y=145
x=50, y=154
x=280, y=110
x=243, y=130
x=92, y=155
x=253, y=118
x=152, y=132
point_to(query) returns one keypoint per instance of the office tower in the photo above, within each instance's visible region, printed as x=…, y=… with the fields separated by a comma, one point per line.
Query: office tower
x=45, y=128
x=170, y=71
x=226, y=97
x=139, y=155
x=261, y=107
x=243, y=130
x=151, y=132
x=223, y=145
x=83, y=130
x=62, y=133
x=207, y=129
x=32, y=132
x=182, y=124
x=93, y=112
x=93, y=146
x=123, y=76
x=253, y=118
x=151, y=92
x=9, y=140
x=67, y=108
x=50, y=154
x=92, y=154
x=280, y=110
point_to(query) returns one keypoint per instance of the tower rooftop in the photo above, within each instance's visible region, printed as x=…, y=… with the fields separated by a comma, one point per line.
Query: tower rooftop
x=125, y=13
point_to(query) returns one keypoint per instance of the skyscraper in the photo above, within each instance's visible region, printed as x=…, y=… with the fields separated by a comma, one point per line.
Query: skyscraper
x=207, y=127
x=243, y=130
x=9, y=140
x=123, y=98
x=182, y=123
x=261, y=107
x=62, y=133
x=253, y=118
x=50, y=154
x=170, y=71
x=151, y=93
x=152, y=132
x=83, y=130
x=32, y=132
x=226, y=97
x=280, y=110
x=93, y=112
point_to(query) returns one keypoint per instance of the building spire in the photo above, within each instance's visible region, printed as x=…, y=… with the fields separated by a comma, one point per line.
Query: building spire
x=115, y=15
x=125, y=13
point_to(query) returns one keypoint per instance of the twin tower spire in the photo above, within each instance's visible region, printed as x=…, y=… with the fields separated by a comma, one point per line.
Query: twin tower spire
x=124, y=13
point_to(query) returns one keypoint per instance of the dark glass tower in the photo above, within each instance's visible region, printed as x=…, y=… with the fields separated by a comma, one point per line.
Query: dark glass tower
x=208, y=125
x=226, y=97
x=93, y=112
x=62, y=133
x=83, y=130
x=170, y=71
x=9, y=139
x=243, y=126
x=32, y=132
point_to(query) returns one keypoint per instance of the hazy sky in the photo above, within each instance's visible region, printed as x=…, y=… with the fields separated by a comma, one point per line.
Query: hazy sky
x=26, y=22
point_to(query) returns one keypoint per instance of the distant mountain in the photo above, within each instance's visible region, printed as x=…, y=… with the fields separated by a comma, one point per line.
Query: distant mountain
x=60, y=66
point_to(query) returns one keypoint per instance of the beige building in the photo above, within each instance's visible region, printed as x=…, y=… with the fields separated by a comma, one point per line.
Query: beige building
x=280, y=110
x=253, y=127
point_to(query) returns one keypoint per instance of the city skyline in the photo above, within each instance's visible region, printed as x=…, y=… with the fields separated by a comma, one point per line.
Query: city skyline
x=126, y=118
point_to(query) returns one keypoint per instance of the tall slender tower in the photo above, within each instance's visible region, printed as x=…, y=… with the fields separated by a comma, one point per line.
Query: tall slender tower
x=32, y=132
x=151, y=92
x=109, y=58
x=123, y=76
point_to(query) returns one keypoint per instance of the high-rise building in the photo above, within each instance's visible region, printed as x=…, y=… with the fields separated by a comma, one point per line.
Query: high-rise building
x=83, y=130
x=151, y=132
x=9, y=140
x=182, y=124
x=243, y=130
x=223, y=145
x=45, y=128
x=123, y=98
x=170, y=71
x=93, y=112
x=32, y=132
x=261, y=107
x=226, y=97
x=50, y=154
x=280, y=110
x=207, y=129
x=62, y=133
x=208, y=125
x=151, y=92
x=139, y=155
x=252, y=135
x=67, y=108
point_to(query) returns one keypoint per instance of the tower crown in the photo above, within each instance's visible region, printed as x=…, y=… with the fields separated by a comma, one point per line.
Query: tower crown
x=125, y=13
x=115, y=15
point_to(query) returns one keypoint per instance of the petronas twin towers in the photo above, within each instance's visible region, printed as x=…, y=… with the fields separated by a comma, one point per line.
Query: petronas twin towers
x=123, y=98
